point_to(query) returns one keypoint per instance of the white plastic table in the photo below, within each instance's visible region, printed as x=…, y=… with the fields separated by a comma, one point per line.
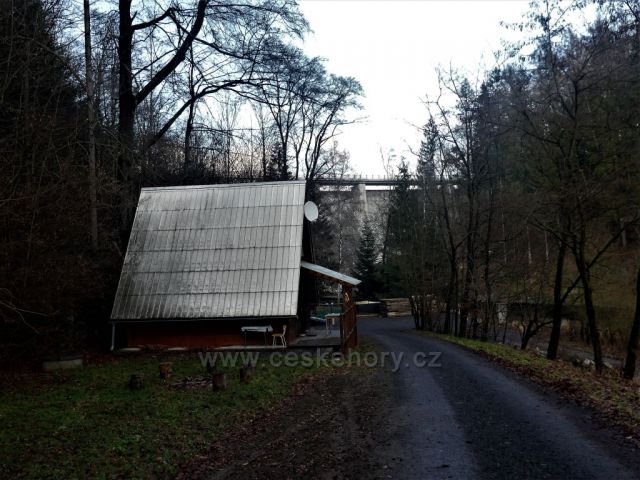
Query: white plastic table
x=264, y=329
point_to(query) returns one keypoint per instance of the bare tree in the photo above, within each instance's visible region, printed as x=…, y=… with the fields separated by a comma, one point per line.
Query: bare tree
x=229, y=42
x=91, y=125
x=307, y=106
x=633, y=346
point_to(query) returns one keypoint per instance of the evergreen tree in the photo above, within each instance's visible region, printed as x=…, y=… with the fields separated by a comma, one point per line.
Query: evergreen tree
x=399, y=245
x=413, y=256
x=366, y=265
x=426, y=154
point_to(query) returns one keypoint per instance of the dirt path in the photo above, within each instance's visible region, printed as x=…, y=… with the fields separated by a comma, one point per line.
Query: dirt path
x=327, y=429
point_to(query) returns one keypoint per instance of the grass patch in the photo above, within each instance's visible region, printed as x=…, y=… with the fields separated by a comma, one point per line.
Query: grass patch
x=615, y=399
x=88, y=423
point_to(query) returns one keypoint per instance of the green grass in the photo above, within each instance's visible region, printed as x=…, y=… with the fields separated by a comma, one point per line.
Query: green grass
x=499, y=351
x=88, y=423
x=615, y=399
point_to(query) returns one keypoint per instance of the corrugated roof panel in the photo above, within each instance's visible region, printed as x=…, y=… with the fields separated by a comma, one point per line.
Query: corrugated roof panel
x=323, y=271
x=213, y=251
x=264, y=299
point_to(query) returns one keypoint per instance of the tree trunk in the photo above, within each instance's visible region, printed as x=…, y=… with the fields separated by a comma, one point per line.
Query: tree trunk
x=487, y=268
x=450, y=296
x=470, y=271
x=466, y=293
x=530, y=330
x=456, y=299
x=187, y=167
x=91, y=127
x=634, y=338
x=128, y=101
x=126, y=118
x=526, y=336
x=414, y=312
x=558, y=301
x=187, y=142
x=591, y=311
x=264, y=152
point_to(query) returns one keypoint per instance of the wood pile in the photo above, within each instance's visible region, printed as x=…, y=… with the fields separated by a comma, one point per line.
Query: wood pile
x=395, y=307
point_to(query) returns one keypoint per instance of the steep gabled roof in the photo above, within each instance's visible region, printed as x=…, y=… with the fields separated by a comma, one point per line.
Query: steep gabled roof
x=219, y=251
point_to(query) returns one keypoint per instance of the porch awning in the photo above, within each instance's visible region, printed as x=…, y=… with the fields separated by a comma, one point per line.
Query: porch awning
x=330, y=275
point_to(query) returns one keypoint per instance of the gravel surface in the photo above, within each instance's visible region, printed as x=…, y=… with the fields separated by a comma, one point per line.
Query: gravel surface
x=470, y=418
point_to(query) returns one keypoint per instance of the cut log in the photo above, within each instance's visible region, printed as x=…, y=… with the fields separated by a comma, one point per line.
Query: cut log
x=211, y=368
x=166, y=370
x=218, y=381
x=246, y=373
x=136, y=382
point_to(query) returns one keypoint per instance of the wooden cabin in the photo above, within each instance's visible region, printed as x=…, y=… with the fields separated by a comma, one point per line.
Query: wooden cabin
x=205, y=261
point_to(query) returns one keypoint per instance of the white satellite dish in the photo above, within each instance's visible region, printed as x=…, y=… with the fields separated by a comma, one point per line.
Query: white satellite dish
x=311, y=211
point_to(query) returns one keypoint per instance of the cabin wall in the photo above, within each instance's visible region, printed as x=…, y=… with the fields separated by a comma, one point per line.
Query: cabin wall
x=206, y=333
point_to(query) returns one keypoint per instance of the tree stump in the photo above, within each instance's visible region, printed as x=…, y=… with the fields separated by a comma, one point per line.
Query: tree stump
x=218, y=381
x=136, y=382
x=246, y=373
x=210, y=366
x=166, y=370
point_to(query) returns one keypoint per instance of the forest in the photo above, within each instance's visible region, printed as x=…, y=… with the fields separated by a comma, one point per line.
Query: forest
x=472, y=313
x=99, y=100
x=523, y=191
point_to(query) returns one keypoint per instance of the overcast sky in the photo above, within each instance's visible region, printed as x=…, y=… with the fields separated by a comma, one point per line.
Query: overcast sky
x=392, y=48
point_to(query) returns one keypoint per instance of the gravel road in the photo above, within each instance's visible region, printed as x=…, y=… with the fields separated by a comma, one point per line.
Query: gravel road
x=469, y=418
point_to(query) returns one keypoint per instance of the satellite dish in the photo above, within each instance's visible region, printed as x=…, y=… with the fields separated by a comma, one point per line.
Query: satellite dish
x=310, y=211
